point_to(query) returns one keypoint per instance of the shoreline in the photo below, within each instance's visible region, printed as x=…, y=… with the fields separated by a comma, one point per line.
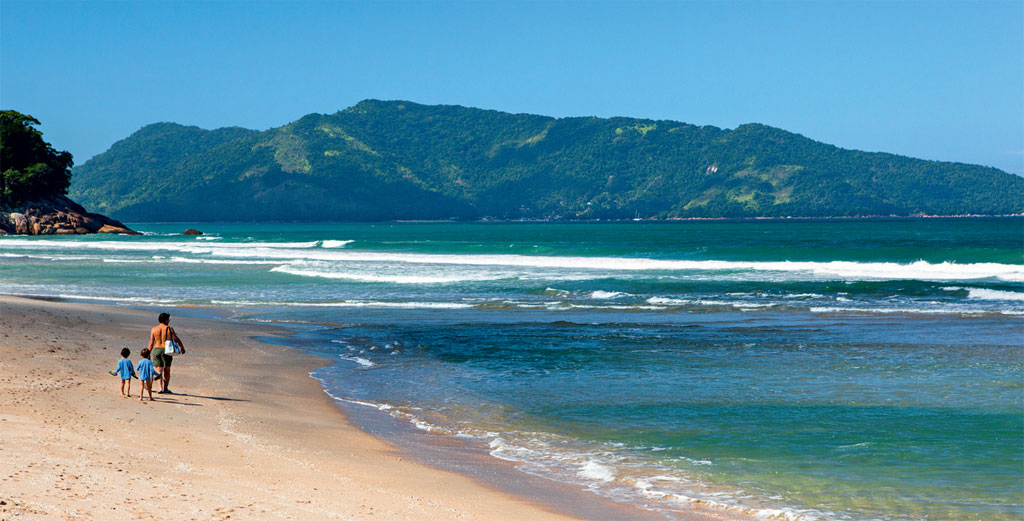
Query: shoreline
x=578, y=376
x=251, y=436
x=617, y=221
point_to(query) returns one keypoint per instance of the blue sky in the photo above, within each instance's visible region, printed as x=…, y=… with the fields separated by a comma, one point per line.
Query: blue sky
x=937, y=80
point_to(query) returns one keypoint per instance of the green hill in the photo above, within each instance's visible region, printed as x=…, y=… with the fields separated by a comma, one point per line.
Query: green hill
x=382, y=160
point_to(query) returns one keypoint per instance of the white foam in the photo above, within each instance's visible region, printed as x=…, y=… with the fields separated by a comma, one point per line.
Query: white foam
x=605, y=295
x=49, y=257
x=841, y=270
x=924, y=311
x=623, y=307
x=429, y=427
x=372, y=277
x=145, y=300
x=993, y=294
x=773, y=514
x=543, y=460
x=742, y=305
x=359, y=360
x=157, y=259
x=349, y=400
x=335, y=244
x=596, y=471
x=709, y=302
x=133, y=245
x=344, y=304
x=378, y=406
x=665, y=301
x=136, y=300
x=751, y=305
x=804, y=295
x=186, y=260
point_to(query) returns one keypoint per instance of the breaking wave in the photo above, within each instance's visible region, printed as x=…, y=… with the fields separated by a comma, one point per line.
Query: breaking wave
x=333, y=251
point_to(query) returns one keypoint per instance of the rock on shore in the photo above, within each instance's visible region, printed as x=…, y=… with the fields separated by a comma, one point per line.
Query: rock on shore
x=58, y=216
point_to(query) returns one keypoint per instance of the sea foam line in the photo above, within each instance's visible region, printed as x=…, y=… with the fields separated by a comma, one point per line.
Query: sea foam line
x=70, y=296
x=843, y=270
x=335, y=244
x=993, y=294
x=597, y=472
x=919, y=270
x=395, y=279
x=607, y=295
x=589, y=468
x=921, y=311
x=343, y=304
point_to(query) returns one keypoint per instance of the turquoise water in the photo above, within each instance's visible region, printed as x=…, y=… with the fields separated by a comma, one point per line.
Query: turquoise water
x=797, y=370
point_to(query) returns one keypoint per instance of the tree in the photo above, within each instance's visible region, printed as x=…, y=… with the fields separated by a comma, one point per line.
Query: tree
x=30, y=168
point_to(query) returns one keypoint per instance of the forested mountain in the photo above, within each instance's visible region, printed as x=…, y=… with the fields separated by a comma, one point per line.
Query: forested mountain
x=382, y=160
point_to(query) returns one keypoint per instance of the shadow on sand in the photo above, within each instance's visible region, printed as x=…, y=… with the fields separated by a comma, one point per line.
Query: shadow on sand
x=170, y=397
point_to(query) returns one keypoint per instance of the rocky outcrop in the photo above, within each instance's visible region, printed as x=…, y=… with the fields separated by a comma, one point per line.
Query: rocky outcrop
x=192, y=231
x=58, y=216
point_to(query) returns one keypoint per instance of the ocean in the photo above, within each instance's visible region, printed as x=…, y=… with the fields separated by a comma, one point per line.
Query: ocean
x=801, y=370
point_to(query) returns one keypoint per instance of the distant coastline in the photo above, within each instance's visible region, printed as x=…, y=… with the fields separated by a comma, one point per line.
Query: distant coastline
x=380, y=161
x=621, y=221
x=851, y=218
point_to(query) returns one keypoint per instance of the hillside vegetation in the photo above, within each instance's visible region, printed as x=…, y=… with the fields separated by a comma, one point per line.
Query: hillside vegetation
x=30, y=168
x=34, y=179
x=382, y=160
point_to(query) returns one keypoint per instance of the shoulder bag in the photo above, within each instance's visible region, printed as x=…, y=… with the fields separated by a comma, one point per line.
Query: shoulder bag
x=170, y=346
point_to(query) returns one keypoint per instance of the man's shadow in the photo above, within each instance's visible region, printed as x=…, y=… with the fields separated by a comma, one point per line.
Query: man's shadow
x=217, y=398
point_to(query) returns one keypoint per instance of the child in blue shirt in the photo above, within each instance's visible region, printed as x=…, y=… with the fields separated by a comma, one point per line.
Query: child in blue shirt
x=126, y=371
x=146, y=373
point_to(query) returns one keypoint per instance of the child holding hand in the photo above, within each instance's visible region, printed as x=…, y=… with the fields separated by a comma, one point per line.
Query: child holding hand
x=146, y=373
x=126, y=371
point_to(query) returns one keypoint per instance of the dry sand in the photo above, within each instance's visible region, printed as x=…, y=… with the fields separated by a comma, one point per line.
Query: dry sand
x=251, y=436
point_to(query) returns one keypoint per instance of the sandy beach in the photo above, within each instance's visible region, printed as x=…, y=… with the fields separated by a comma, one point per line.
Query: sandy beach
x=250, y=436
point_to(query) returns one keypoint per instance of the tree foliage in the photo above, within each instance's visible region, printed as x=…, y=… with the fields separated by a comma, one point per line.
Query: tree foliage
x=30, y=168
x=382, y=160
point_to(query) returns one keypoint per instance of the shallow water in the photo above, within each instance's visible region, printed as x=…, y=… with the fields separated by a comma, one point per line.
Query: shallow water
x=813, y=369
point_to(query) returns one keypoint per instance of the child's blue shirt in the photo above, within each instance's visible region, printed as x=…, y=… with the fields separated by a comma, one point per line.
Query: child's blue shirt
x=125, y=369
x=145, y=369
